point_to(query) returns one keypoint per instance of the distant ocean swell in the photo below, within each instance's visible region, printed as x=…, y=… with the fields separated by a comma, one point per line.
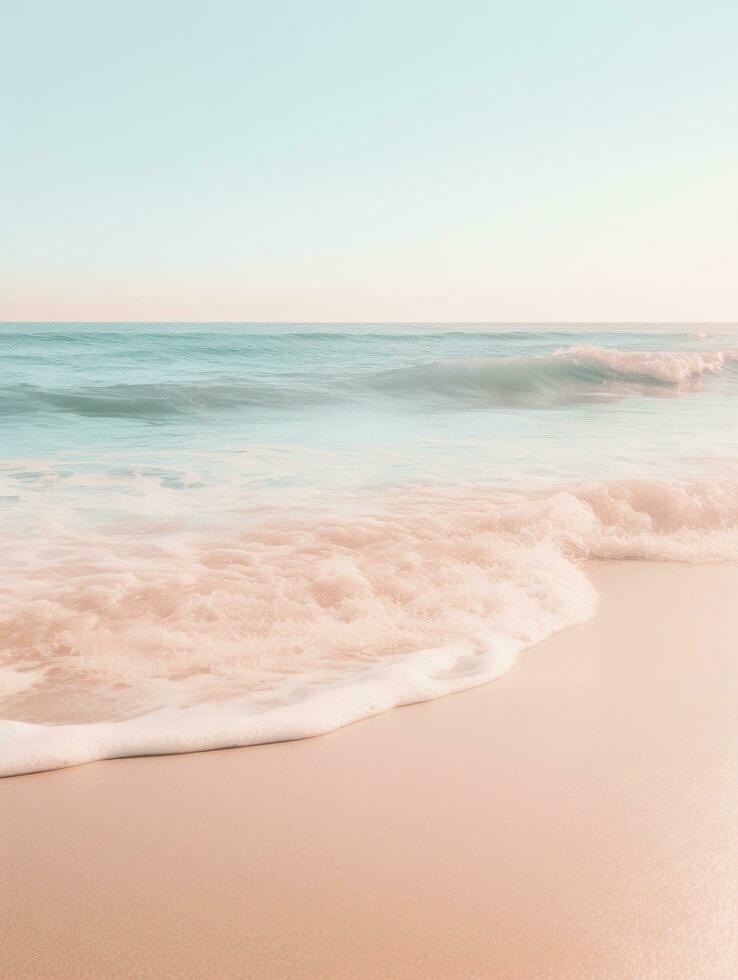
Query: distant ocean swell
x=581, y=373
x=182, y=638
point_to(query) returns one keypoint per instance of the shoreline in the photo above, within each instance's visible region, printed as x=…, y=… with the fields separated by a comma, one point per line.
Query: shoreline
x=574, y=818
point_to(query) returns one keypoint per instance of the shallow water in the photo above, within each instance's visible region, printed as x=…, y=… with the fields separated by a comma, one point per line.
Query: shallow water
x=222, y=534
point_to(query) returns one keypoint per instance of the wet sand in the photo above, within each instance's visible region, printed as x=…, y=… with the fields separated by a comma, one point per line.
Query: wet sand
x=574, y=819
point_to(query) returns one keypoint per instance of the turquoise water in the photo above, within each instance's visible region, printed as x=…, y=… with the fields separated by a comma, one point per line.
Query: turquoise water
x=480, y=399
x=226, y=534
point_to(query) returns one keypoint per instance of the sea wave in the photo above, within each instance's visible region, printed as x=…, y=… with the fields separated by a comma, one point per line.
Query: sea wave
x=581, y=373
x=577, y=374
x=118, y=644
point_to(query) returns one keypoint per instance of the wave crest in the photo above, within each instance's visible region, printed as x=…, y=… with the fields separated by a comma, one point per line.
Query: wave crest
x=581, y=373
x=669, y=367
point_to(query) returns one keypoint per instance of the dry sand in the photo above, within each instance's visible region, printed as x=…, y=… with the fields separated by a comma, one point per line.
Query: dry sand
x=575, y=819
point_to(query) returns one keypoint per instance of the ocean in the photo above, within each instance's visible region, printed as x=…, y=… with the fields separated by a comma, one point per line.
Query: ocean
x=225, y=534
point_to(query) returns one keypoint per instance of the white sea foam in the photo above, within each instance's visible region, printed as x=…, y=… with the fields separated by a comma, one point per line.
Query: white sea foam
x=179, y=640
x=670, y=367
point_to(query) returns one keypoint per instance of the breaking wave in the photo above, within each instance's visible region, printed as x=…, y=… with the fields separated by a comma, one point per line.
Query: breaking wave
x=577, y=374
x=117, y=643
x=581, y=373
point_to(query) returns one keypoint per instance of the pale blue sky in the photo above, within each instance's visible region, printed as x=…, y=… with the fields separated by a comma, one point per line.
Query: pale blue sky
x=170, y=159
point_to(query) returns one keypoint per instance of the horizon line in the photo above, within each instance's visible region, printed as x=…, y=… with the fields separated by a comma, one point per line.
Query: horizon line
x=397, y=323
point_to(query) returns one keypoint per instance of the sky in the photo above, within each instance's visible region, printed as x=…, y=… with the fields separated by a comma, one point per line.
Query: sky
x=369, y=161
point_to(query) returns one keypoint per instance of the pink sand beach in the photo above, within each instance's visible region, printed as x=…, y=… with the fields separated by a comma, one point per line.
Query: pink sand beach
x=573, y=819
